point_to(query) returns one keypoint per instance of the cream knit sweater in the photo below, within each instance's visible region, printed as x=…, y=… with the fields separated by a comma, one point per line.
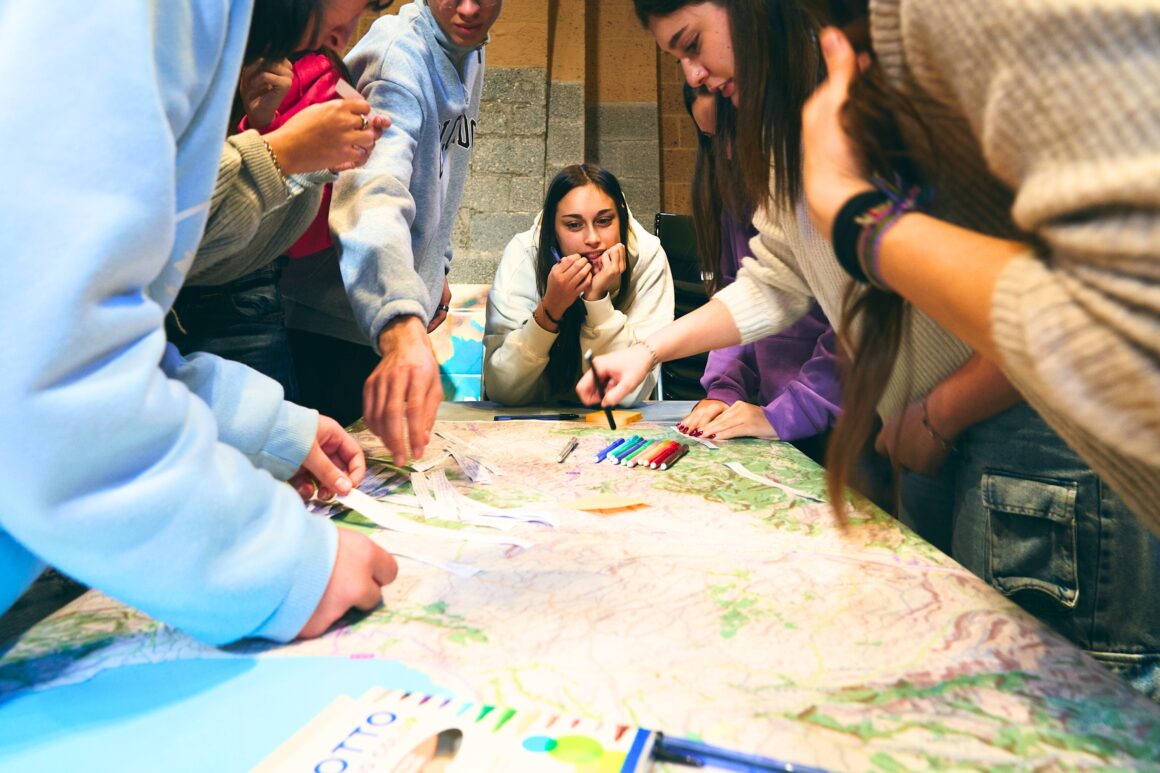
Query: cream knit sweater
x=1047, y=114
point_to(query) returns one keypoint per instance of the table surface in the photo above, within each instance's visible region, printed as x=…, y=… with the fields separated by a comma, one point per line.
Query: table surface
x=723, y=609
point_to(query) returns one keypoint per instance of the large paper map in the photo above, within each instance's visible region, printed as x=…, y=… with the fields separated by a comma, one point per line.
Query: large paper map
x=725, y=610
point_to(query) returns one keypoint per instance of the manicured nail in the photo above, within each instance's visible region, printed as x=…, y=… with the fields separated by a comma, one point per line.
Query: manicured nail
x=697, y=433
x=713, y=436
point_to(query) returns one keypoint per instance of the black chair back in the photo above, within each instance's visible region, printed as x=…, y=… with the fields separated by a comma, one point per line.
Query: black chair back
x=681, y=379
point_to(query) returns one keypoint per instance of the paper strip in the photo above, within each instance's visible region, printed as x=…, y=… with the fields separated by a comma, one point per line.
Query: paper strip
x=740, y=469
x=385, y=516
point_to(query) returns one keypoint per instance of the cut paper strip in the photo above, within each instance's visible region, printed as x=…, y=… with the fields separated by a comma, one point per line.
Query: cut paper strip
x=472, y=467
x=384, y=515
x=452, y=567
x=603, y=502
x=432, y=463
x=456, y=444
x=346, y=91
x=707, y=443
x=740, y=469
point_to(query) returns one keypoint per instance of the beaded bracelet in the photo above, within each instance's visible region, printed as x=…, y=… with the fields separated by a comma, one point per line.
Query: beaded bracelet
x=655, y=359
x=277, y=166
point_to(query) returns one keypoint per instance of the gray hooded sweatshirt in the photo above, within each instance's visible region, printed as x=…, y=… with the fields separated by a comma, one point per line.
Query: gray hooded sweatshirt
x=392, y=218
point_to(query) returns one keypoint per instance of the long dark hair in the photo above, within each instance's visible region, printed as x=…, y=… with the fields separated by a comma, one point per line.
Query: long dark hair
x=777, y=66
x=564, y=357
x=715, y=188
x=278, y=26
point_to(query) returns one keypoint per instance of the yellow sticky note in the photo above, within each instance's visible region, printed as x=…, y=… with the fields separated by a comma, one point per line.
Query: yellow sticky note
x=603, y=502
x=623, y=417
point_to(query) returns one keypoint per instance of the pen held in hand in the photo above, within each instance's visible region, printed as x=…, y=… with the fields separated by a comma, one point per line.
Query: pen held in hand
x=600, y=388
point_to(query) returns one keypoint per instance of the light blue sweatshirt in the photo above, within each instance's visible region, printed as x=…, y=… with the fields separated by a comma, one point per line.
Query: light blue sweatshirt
x=144, y=475
x=392, y=218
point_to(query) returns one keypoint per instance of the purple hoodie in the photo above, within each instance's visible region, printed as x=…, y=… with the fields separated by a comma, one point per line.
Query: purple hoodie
x=793, y=374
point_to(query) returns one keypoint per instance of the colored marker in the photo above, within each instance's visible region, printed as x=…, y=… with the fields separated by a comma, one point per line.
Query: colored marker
x=569, y=447
x=634, y=458
x=621, y=453
x=668, y=452
x=658, y=452
x=670, y=461
x=600, y=456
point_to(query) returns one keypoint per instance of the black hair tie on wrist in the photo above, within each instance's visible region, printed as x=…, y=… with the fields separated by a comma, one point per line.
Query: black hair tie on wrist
x=443, y=307
x=548, y=314
x=847, y=230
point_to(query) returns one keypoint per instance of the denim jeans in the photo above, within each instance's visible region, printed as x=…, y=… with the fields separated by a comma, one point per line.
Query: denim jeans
x=1033, y=520
x=241, y=320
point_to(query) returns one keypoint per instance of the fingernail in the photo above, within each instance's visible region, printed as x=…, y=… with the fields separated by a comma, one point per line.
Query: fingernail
x=713, y=436
x=696, y=433
x=343, y=485
x=680, y=427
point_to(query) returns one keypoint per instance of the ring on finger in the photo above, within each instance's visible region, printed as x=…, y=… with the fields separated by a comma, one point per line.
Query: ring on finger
x=364, y=122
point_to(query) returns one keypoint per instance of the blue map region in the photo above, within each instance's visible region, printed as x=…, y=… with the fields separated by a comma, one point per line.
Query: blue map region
x=131, y=718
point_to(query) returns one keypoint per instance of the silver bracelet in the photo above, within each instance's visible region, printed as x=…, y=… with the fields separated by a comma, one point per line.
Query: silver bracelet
x=655, y=359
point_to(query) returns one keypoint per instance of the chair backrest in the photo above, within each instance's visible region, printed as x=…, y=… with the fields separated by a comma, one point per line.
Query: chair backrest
x=681, y=379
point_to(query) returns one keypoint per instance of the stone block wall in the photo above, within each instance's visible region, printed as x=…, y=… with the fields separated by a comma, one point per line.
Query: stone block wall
x=623, y=139
x=506, y=182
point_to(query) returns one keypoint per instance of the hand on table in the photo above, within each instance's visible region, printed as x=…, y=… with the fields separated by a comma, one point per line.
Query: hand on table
x=703, y=412
x=741, y=419
x=404, y=390
x=334, y=465
x=361, y=569
x=622, y=372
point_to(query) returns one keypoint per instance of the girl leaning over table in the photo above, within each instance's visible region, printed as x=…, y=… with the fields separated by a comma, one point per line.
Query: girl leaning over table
x=585, y=276
x=1023, y=510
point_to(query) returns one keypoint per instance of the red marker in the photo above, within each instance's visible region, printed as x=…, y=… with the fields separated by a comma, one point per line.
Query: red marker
x=674, y=449
x=660, y=453
x=671, y=460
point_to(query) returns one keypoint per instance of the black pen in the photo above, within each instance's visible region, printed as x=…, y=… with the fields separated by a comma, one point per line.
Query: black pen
x=681, y=751
x=600, y=388
x=537, y=417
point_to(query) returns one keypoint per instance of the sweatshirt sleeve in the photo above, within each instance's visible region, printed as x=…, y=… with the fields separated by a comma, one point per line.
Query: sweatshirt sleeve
x=769, y=294
x=516, y=347
x=810, y=403
x=125, y=483
x=730, y=375
x=649, y=308
x=251, y=415
x=371, y=213
x=254, y=214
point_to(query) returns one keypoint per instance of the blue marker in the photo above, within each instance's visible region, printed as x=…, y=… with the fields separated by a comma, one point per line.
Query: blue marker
x=614, y=454
x=600, y=456
x=622, y=453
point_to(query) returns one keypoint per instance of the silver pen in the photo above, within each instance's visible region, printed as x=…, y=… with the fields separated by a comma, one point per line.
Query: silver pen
x=569, y=447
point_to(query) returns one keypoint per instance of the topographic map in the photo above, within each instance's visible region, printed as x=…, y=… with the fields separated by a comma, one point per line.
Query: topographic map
x=722, y=609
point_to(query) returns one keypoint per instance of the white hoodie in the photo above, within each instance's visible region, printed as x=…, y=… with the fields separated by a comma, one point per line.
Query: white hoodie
x=517, y=347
